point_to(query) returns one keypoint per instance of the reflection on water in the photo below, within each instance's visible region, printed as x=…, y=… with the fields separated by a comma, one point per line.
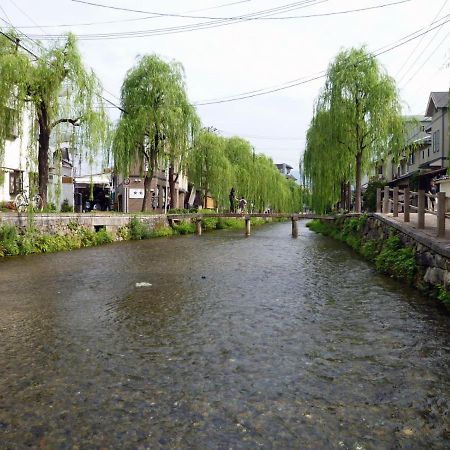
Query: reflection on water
x=265, y=342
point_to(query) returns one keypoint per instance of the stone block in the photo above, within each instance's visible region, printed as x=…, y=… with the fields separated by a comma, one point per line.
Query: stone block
x=434, y=276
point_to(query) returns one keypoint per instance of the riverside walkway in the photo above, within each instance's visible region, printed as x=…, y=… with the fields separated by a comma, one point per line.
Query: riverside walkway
x=427, y=235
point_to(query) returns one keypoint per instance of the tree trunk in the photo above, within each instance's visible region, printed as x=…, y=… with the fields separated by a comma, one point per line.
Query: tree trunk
x=172, y=181
x=146, y=202
x=358, y=183
x=348, y=196
x=343, y=197
x=44, y=144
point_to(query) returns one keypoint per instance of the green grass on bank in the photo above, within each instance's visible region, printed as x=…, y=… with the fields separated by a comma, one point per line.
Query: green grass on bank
x=14, y=242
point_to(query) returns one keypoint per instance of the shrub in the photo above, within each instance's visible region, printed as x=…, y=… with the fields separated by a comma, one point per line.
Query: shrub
x=179, y=211
x=123, y=232
x=9, y=240
x=444, y=296
x=103, y=237
x=138, y=230
x=184, y=227
x=369, y=250
x=397, y=260
x=65, y=207
x=160, y=231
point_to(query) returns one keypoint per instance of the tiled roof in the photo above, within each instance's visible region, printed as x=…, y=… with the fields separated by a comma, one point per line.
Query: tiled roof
x=439, y=100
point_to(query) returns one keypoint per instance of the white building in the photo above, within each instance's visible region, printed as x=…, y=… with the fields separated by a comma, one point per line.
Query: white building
x=18, y=166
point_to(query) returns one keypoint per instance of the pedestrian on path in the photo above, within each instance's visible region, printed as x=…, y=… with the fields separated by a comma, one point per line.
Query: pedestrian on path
x=432, y=192
x=232, y=200
x=242, y=204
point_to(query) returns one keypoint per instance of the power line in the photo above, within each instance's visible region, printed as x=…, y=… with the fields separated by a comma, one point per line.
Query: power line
x=278, y=10
x=418, y=44
x=313, y=78
x=174, y=29
x=426, y=60
x=200, y=25
x=258, y=18
x=303, y=80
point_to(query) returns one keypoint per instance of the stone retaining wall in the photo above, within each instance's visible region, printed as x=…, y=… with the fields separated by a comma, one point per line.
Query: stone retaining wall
x=59, y=223
x=432, y=256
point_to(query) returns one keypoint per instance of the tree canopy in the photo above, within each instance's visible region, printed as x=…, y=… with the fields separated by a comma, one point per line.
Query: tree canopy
x=157, y=123
x=216, y=164
x=55, y=90
x=357, y=121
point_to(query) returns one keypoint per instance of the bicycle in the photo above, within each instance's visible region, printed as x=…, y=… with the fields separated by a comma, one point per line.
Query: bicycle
x=22, y=202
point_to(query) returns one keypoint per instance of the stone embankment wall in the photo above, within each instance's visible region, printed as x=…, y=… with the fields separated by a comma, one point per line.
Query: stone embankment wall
x=432, y=256
x=60, y=223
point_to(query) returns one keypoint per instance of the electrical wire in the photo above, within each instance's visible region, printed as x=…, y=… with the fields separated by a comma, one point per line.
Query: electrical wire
x=277, y=10
x=426, y=60
x=420, y=42
x=259, y=18
x=205, y=25
x=303, y=80
x=260, y=92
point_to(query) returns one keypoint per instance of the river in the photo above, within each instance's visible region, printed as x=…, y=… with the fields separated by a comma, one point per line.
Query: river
x=260, y=342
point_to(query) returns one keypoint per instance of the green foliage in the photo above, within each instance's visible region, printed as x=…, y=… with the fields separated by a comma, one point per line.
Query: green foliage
x=444, y=296
x=397, y=260
x=390, y=256
x=161, y=231
x=65, y=207
x=158, y=122
x=184, y=227
x=123, y=233
x=179, y=211
x=357, y=121
x=8, y=240
x=370, y=194
x=369, y=250
x=103, y=237
x=49, y=208
x=57, y=92
x=138, y=230
x=216, y=164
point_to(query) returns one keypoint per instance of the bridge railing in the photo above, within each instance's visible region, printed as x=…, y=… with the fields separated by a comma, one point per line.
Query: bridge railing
x=395, y=200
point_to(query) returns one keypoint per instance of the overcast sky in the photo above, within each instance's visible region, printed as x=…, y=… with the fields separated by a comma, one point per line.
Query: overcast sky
x=252, y=55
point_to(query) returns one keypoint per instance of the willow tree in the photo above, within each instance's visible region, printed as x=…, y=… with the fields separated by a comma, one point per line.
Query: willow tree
x=209, y=168
x=364, y=106
x=327, y=164
x=56, y=89
x=157, y=122
x=240, y=154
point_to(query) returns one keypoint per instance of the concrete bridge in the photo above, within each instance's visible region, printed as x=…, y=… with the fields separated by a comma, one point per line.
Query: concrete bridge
x=197, y=218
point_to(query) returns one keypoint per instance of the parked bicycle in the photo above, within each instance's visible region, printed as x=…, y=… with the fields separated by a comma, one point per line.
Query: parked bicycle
x=22, y=202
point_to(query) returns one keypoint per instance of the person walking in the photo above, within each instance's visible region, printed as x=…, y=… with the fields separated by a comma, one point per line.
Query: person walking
x=232, y=197
x=432, y=192
x=242, y=204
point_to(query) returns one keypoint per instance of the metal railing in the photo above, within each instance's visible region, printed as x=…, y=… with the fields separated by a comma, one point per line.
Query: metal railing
x=395, y=200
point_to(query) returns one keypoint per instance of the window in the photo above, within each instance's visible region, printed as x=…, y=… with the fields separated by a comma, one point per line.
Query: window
x=436, y=141
x=411, y=158
x=15, y=182
x=423, y=154
x=12, y=124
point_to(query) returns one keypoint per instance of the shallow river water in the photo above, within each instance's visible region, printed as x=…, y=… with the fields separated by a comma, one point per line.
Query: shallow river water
x=261, y=342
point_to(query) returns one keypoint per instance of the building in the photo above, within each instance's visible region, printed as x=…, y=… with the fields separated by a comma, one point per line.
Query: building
x=17, y=170
x=427, y=147
x=129, y=191
x=285, y=169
